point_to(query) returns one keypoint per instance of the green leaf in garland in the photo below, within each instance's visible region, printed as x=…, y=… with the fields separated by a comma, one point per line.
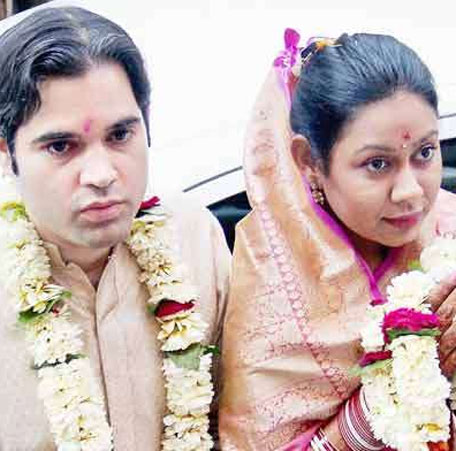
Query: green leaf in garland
x=358, y=371
x=212, y=349
x=71, y=357
x=68, y=359
x=415, y=265
x=18, y=244
x=151, y=308
x=28, y=316
x=394, y=333
x=188, y=358
x=12, y=211
x=56, y=300
x=137, y=226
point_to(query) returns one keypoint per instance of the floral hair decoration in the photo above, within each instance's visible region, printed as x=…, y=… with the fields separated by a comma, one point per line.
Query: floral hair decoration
x=288, y=64
x=315, y=45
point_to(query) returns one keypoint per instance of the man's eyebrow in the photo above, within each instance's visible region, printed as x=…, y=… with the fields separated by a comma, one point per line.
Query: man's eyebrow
x=53, y=136
x=127, y=122
x=61, y=135
x=393, y=149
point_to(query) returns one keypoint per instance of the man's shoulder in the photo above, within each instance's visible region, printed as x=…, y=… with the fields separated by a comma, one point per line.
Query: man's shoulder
x=184, y=212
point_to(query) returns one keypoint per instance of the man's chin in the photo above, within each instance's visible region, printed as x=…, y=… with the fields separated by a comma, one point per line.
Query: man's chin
x=105, y=237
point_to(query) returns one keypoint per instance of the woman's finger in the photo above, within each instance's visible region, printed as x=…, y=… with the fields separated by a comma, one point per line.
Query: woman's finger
x=447, y=343
x=447, y=311
x=448, y=365
x=442, y=291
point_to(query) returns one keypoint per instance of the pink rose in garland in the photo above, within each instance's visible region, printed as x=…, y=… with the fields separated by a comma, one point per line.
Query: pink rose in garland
x=371, y=357
x=167, y=309
x=149, y=203
x=406, y=321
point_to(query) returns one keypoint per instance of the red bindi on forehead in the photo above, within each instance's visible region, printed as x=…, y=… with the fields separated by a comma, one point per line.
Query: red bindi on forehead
x=405, y=137
x=86, y=126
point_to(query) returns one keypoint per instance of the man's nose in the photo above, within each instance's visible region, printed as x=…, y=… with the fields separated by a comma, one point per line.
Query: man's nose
x=97, y=168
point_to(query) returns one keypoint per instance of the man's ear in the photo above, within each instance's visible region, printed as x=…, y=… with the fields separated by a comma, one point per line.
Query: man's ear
x=5, y=158
x=3, y=146
x=300, y=150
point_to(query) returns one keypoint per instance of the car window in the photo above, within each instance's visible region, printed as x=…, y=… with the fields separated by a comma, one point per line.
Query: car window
x=229, y=212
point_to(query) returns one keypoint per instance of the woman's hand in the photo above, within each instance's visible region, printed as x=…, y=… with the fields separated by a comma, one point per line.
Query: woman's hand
x=443, y=303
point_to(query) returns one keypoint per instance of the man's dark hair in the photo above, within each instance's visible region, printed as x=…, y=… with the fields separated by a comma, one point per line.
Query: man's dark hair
x=340, y=79
x=60, y=42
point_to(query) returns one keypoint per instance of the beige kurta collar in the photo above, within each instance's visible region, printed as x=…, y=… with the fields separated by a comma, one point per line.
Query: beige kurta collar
x=121, y=341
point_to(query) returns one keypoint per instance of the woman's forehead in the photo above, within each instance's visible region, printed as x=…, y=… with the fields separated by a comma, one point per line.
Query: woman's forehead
x=400, y=118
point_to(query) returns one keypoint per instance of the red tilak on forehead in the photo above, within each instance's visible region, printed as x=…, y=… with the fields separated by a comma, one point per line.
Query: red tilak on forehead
x=87, y=125
x=406, y=137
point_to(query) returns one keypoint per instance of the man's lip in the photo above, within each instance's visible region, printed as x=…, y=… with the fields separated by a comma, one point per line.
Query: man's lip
x=97, y=213
x=100, y=205
x=405, y=221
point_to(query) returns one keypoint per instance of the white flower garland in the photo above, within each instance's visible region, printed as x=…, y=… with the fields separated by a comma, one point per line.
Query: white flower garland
x=187, y=363
x=71, y=395
x=404, y=387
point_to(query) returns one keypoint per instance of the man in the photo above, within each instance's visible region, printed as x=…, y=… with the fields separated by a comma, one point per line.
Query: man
x=74, y=100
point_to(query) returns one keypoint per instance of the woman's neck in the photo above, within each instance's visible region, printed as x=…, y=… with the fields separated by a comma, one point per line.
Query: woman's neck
x=372, y=253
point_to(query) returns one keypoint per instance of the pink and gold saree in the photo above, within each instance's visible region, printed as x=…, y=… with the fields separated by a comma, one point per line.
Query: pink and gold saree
x=298, y=297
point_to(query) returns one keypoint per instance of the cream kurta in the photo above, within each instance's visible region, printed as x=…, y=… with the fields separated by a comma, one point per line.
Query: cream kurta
x=120, y=340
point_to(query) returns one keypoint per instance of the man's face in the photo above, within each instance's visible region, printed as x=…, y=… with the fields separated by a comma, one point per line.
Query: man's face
x=82, y=159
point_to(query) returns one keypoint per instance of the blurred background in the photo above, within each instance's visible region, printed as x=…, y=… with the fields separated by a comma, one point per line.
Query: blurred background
x=208, y=58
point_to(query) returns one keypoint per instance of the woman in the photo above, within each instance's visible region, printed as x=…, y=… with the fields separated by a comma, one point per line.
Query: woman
x=345, y=193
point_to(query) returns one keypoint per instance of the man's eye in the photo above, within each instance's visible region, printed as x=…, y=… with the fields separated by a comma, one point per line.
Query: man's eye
x=377, y=165
x=58, y=147
x=120, y=135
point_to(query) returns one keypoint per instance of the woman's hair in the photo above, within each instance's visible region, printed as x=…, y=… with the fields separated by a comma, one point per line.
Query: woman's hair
x=60, y=42
x=340, y=79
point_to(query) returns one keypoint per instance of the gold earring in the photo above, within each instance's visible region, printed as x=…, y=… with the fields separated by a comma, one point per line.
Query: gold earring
x=317, y=194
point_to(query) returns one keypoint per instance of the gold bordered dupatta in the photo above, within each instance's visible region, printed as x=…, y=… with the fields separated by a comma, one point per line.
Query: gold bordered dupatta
x=298, y=297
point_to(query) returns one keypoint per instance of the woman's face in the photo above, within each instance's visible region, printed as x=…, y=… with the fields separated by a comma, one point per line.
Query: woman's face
x=385, y=170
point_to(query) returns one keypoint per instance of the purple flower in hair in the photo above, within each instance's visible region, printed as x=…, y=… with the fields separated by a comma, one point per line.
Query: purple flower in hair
x=287, y=57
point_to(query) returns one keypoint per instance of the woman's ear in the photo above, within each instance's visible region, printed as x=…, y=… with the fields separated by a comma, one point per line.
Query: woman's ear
x=300, y=150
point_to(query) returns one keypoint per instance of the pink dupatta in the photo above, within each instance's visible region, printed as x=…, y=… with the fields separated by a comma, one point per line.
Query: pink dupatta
x=298, y=296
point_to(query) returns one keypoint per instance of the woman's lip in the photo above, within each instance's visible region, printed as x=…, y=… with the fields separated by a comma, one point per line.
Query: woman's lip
x=406, y=221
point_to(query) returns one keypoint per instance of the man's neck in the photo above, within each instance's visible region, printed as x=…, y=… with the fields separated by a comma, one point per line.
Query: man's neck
x=91, y=261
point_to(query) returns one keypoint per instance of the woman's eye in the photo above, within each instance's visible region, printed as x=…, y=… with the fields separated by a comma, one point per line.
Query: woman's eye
x=426, y=153
x=377, y=165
